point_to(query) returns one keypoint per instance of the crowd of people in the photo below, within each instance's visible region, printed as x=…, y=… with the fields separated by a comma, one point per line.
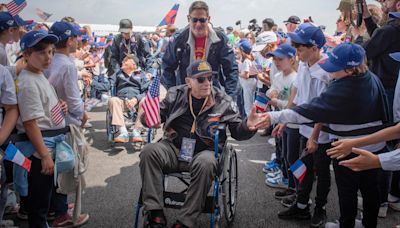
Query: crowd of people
x=326, y=99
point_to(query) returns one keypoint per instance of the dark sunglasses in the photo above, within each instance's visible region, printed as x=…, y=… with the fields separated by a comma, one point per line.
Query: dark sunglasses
x=202, y=19
x=203, y=79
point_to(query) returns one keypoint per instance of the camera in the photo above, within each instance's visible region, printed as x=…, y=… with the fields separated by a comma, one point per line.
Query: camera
x=254, y=27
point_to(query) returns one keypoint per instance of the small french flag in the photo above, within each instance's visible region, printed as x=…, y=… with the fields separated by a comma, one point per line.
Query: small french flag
x=14, y=155
x=299, y=170
x=261, y=102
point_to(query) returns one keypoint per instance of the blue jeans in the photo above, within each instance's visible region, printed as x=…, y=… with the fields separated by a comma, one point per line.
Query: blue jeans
x=39, y=195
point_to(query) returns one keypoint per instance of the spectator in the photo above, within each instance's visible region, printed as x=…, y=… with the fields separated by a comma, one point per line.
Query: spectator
x=204, y=44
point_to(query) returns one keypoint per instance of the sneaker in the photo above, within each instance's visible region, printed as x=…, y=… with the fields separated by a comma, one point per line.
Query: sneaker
x=156, y=219
x=66, y=221
x=122, y=138
x=278, y=182
x=136, y=136
x=87, y=125
x=273, y=175
x=383, y=210
x=271, y=168
x=295, y=213
x=336, y=224
x=178, y=224
x=284, y=193
x=319, y=217
x=394, y=203
x=289, y=201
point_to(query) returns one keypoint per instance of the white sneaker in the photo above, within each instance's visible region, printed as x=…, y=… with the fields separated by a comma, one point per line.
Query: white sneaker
x=87, y=125
x=273, y=174
x=394, y=202
x=136, y=136
x=336, y=224
x=383, y=210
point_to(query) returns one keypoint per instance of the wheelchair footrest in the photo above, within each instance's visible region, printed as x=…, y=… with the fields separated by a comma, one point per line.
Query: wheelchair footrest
x=176, y=200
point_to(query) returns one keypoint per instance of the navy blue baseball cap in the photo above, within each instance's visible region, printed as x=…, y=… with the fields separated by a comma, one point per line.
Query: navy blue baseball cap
x=283, y=51
x=344, y=56
x=21, y=22
x=64, y=30
x=32, y=38
x=394, y=14
x=308, y=34
x=7, y=21
x=395, y=56
x=198, y=68
x=245, y=46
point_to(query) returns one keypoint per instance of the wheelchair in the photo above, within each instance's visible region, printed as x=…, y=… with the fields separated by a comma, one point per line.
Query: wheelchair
x=223, y=198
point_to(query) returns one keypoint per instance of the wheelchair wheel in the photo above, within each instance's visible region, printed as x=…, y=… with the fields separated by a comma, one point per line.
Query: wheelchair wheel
x=230, y=184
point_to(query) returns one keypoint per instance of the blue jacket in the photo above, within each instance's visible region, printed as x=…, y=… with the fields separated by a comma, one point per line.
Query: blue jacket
x=220, y=55
x=129, y=86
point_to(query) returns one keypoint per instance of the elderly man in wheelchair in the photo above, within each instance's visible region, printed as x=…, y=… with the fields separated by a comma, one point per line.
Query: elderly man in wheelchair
x=130, y=88
x=190, y=114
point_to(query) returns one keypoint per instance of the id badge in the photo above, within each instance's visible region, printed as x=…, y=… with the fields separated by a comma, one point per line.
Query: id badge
x=187, y=150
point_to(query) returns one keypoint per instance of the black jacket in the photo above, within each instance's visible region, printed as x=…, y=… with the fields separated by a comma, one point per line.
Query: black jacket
x=220, y=107
x=384, y=41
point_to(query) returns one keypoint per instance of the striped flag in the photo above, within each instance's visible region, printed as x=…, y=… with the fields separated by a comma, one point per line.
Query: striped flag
x=57, y=115
x=43, y=15
x=14, y=155
x=16, y=6
x=261, y=102
x=299, y=170
x=151, y=103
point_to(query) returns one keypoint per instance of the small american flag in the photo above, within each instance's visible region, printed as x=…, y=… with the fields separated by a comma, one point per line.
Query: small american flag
x=43, y=15
x=57, y=115
x=151, y=103
x=16, y=6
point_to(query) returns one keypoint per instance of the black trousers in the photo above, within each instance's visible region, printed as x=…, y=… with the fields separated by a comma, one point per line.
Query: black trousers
x=291, y=152
x=348, y=183
x=317, y=164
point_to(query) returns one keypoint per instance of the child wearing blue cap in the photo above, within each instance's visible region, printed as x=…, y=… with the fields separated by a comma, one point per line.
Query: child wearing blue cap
x=8, y=30
x=248, y=75
x=40, y=109
x=284, y=58
x=354, y=101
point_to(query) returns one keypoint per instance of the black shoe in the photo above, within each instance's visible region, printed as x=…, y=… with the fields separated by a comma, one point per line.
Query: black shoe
x=289, y=201
x=295, y=213
x=156, y=219
x=178, y=224
x=284, y=193
x=319, y=217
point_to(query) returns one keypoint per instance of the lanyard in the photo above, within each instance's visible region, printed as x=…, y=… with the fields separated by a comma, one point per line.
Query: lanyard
x=192, y=112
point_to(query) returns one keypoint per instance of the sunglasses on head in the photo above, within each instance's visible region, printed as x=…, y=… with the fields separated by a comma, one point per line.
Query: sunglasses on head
x=201, y=20
x=202, y=79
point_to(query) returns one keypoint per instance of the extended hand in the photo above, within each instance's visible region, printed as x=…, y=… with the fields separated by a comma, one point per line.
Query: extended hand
x=366, y=160
x=278, y=130
x=252, y=119
x=341, y=148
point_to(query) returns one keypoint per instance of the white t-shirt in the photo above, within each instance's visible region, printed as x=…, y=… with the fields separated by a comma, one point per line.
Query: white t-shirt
x=63, y=76
x=310, y=82
x=248, y=66
x=282, y=85
x=38, y=100
x=7, y=90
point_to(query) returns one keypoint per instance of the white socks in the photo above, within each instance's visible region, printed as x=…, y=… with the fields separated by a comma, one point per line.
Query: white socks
x=123, y=130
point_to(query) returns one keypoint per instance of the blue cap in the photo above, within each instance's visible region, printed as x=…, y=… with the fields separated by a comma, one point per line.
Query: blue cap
x=64, y=30
x=20, y=21
x=308, y=34
x=395, y=56
x=7, y=21
x=394, y=14
x=343, y=56
x=245, y=46
x=30, y=39
x=283, y=51
x=198, y=68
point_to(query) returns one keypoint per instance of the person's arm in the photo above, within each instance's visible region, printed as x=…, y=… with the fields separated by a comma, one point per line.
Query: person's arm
x=72, y=93
x=242, y=130
x=170, y=64
x=344, y=146
x=35, y=136
x=9, y=122
x=378, y=44
x=230, y=68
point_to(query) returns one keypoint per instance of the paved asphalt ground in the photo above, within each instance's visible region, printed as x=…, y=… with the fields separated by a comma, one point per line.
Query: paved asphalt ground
x=113, y=184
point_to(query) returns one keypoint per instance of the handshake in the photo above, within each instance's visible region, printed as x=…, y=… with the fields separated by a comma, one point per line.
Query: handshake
x=257, y=121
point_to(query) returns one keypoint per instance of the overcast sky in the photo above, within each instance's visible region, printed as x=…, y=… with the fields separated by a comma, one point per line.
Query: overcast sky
x=150, y=12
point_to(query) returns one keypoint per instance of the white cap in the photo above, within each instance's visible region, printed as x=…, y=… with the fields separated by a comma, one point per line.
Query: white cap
x=263, y=39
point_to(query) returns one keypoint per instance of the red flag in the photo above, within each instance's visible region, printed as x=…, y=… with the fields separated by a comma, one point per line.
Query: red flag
x=16, y=6
x=57, y=115
x=151, y=103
